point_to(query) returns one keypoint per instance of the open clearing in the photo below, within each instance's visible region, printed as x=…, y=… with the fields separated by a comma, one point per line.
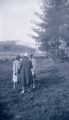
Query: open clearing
x=49, y=101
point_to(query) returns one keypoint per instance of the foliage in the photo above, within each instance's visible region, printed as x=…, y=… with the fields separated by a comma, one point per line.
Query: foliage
x=54, y=25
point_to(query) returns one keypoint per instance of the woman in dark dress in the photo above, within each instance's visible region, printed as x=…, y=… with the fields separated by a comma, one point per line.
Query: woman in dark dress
x=26, y=74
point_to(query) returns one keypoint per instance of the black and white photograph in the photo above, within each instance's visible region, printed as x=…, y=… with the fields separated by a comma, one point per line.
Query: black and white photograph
x=34, y=59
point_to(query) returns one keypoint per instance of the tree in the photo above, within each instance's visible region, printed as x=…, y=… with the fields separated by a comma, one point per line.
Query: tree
x=54, y=25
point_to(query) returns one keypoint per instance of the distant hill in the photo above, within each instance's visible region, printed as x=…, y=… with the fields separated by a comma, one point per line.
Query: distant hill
x=13, y=47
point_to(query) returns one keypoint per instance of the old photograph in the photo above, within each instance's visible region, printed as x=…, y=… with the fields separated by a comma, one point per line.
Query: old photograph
x=34, y=60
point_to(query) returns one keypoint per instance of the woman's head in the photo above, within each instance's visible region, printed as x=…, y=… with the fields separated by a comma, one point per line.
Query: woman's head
x=18, y=57
x=31, y=56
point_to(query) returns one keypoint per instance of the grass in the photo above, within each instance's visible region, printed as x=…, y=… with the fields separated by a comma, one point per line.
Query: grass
x=49, y=101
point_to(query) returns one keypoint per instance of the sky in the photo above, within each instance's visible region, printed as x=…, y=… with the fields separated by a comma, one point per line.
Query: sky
x=15, y=20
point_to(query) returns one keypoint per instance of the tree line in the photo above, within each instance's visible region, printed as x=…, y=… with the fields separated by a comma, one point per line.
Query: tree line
x=52, y=32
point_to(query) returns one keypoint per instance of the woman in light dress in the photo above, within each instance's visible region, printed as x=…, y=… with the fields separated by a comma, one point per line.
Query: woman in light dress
x=33, y=70
x=16, y=64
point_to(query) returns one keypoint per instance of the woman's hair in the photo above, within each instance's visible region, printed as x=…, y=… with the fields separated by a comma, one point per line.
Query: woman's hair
x=18, y=57
x=31, y=55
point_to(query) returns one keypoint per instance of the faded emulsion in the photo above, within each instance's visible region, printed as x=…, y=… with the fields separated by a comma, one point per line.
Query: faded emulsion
x=34, y=59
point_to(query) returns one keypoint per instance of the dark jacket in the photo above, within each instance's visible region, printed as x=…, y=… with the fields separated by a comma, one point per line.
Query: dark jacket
x=25, y=72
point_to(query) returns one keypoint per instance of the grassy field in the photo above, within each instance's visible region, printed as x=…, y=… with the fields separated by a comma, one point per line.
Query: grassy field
x=49, y=101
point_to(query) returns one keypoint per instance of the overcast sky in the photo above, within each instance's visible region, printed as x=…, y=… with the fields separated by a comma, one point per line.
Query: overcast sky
x=15, y=17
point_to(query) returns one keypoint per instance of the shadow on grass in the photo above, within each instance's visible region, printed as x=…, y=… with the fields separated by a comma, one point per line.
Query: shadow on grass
x=4, y=112
x=63, y=116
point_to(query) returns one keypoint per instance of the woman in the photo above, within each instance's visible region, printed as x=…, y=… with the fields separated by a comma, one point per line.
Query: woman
x=25, y=73
x=16, y=64
x=33, y=70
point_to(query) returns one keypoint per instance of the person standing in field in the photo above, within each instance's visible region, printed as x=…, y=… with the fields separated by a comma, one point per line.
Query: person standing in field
x=16, y=64
x=26, y=74
x=33, y=70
